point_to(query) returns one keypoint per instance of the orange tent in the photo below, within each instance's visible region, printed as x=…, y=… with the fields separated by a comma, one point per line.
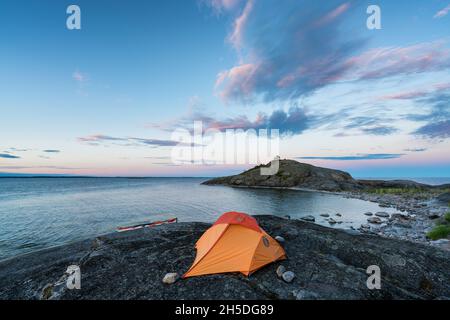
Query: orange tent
x=235, y=243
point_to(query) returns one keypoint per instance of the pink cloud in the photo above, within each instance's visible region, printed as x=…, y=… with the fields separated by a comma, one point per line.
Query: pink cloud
x=332, y=15
x=238, y=79
x=442, y=86
x=406, y=95
x=78, y=76
x=284, y=59
x=418, y=93
x=391, y=61
x=236, y=37
x=442, y=13
x=222, y=5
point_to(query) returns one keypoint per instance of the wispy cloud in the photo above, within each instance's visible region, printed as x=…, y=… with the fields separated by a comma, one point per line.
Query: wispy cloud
x=18, y=149
x=79, y=76
x=386, y=62
x=98, y=139
x=333, y=14
x=409, y=95
x=8, y=156
x=439, y=129
x=379, y=130
x=418, y=93
x=292, y=122
x=282, y=59
x=415, y=149
x=295, y=121
x=361, y=125
x=159, y=158
x=221, y=6
x=372, y=156
x=437, y=118
x=442, y=13
x=39, y=167
x=236, y=37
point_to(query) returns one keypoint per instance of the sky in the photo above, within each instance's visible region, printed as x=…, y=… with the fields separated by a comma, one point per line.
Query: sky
x=105, y=100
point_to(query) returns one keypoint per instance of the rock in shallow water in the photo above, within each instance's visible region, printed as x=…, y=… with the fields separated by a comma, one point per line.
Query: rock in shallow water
x=368, y=214
x=374, y=220
x=308, y=218
x=280, y=239
x=332, y=221
x=433, y=215
x=382, y=214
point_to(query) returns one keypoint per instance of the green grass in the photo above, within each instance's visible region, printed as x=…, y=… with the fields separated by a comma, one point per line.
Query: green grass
x=447, y=217
x=411, y=190
x=395, y=190
x=439, y=232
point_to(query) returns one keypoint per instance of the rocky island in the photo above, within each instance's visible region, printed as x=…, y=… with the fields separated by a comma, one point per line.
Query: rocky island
x=292, y=173
x=326, y=263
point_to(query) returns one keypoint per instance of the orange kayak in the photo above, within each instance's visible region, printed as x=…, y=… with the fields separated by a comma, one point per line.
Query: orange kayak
x=146, y=225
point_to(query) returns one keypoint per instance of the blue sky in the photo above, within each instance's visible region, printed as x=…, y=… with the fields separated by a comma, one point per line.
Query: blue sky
x=104, y=99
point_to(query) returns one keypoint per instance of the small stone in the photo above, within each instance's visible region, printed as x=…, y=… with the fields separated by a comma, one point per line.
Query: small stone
x=432, y=216
x=47, y=292
x=280, y=271
x=308, y=218
x=279, y=239
x=170, y=278
x=402, y=224
x=288, y=276
x=368, y=214
x=338, y=214
x=287, y=216
x=382, y=214
x=331, y=221
x=399, y=216
x=374, y=220
x=326, y=215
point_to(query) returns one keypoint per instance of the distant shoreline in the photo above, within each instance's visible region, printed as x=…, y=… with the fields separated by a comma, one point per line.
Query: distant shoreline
x=99, y=177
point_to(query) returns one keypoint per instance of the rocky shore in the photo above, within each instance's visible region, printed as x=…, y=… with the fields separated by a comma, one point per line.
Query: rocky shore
x=325, y=263
x=419, y=215
x=421, y=205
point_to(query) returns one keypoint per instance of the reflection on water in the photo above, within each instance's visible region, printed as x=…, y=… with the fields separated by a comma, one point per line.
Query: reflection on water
x=40, y=212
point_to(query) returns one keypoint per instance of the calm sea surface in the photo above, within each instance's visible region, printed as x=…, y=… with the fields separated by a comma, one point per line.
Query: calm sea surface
x=37, y=213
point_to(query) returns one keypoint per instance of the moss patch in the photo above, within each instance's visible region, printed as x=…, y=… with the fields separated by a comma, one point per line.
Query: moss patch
x=447, y=217
x=439, y=232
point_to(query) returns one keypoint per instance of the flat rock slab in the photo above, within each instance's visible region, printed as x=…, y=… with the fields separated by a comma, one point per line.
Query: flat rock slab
x=328, y=264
